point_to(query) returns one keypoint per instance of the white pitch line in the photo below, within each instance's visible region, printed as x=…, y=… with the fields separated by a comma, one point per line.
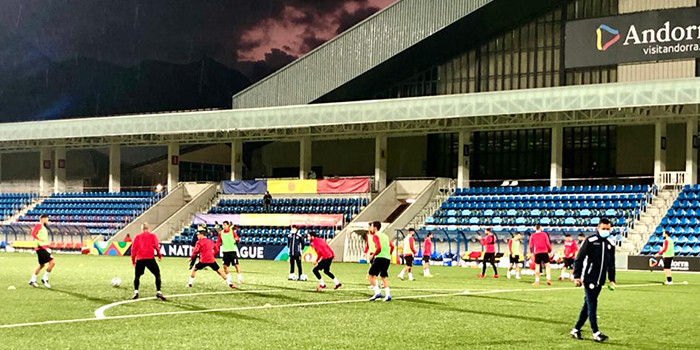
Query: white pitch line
x=280, y=306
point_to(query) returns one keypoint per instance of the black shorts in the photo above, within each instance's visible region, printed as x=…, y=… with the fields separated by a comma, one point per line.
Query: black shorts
x=542, y=258
x=426, y=259
x=569, y=263
x=489, y=257
x=143, y=264
x=230, y=258
x=515, y=259
x=667, y=262
x=44, y=256
x=200, y=266
x=380, y=267
x=408, y=260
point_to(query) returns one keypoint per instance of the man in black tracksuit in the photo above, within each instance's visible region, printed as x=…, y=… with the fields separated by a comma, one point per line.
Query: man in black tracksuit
x=295, y=243
x=595, y=261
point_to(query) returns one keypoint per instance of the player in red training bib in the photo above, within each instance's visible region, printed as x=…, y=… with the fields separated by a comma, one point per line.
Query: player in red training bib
x=324, y=260
x=570, y=250
x=207, y=250
x=542, y=249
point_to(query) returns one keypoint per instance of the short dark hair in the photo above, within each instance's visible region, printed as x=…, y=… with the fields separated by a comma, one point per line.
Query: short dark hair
x=538, y=227
x=430, y=233
x=567, y=235
x=581, y=235
x=293, y=226
x=604, y=221
x=43, y=216
x=312, y=233
x=376, y=224
x=411, y=229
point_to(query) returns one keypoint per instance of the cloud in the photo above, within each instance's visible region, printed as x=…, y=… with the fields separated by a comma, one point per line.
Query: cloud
x=301, y=27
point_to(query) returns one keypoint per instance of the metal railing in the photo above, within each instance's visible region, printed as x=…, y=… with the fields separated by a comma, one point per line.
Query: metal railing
x=670, y=179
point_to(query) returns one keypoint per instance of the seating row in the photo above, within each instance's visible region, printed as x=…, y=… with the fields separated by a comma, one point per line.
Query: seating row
x=534, y=212
x=552, y=190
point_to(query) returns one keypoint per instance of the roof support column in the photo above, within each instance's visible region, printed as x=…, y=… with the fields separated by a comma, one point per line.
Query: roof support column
x=659, y=150
x=304, y=157
x=237, y=160
x=463, y=159
x=380, y=152
x=115, y=168
x=557, y=145
x=59, y=178
x=691, y=151
x=0, y=172
x=173, y=165
x=45, y=179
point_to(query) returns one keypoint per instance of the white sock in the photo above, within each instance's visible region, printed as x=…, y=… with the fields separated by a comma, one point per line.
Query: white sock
x=33, y=279
x=191, y=280
x=376, y=288
x=517, y=275
x=401, y=274
x=426, y=272
x=508, y=273
x=410, y=276
x=228, y=278
x=336, y=282
x=537, y=279
x=46, y=276
x=387, y=291
x=136, y=291
x=549, y=277
x=321, y=283
x=240, y=277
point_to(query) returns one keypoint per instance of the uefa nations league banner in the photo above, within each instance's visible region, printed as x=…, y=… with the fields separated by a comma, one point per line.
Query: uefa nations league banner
x=637, y=37
x=680, y=263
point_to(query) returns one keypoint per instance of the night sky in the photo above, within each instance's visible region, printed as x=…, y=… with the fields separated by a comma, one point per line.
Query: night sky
x=63, y=58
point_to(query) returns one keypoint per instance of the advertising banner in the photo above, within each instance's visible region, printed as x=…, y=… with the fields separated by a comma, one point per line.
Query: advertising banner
x=272, y=220
x=636, y=37
x=244, y=187
x=291, y=186
x=360, y=185
x=680, y=263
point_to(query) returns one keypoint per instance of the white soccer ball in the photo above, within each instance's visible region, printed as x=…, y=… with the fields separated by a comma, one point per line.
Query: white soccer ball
x=303, y=277
x=292, y=277
x=116, y=282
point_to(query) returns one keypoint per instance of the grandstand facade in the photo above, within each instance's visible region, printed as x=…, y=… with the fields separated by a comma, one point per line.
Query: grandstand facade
x=579, y=93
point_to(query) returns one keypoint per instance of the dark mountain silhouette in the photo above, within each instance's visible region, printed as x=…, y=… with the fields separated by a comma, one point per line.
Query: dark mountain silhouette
x=39, y=89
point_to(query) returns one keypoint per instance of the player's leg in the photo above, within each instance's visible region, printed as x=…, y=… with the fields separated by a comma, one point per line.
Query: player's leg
x=548, y=269
x=592, y=301
x=298, y=261
x=138, y=272
x=37, y=271
x=537, y=273
x=483, y=266
x=667, y=270
x=582, y=317
x=492, y=258
x=49, y=268
x=517, y=269
x=291, y=265
x=317, y=273
x=190, y=282
x=152, y=266
x=385, y=281
x=328, y=273
x=409, y=265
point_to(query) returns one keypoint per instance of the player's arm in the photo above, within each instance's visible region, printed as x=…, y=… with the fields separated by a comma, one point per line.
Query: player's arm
x=413, y=246
x=663, y=249
x=578, y=262
x=549, y=245
x=378, y=245
x=35, y=231
x=235, y=236
x=195, y=251
x=156, y=246
x=510, y=247
x=134, y=250
x=391, y=247
x=611, y=267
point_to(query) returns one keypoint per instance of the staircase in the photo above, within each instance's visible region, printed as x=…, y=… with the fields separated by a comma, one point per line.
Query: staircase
x=648, y=221
x=13, y=219
x=445, y=188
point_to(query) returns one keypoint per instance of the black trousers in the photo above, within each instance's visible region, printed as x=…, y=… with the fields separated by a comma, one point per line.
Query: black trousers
x=590, y=308
x=489, y=258
x=141, y=266
x=294, y=259
x=325, y=266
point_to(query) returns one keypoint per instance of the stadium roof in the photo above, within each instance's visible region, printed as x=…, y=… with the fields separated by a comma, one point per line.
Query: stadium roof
x=619, y=103
x=405, y=33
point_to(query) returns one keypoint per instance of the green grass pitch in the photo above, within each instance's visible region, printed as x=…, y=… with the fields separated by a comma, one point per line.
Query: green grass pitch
x=270, y=312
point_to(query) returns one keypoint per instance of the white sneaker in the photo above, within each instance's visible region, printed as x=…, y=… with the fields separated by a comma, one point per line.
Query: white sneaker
x=668, y=283
x=411, y=279
x=188, y=285
x=517, y=277
x=400, y=277
x=46, y=284
x=508, y=275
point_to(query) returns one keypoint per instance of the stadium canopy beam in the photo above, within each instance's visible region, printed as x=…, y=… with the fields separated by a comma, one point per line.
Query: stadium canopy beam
x=691, y=151
x=463, y=158
x=173, y=165
x=115, y=168
x=236, y=160
x=618, y=104
x=45, y=180
x=59, y=174
x=660, y=143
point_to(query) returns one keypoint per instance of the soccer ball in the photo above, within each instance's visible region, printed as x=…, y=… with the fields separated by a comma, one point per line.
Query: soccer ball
x=292, y=277
x=303, y=277
x=116, y=282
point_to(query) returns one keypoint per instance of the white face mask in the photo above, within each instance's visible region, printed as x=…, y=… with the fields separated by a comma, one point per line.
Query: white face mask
x=604, y=233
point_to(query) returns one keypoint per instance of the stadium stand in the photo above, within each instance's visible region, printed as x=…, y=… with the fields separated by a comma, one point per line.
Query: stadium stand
x=682, y=221
x=102, y=213
x=12, y=203
x=277, y=235
x=559, y=210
